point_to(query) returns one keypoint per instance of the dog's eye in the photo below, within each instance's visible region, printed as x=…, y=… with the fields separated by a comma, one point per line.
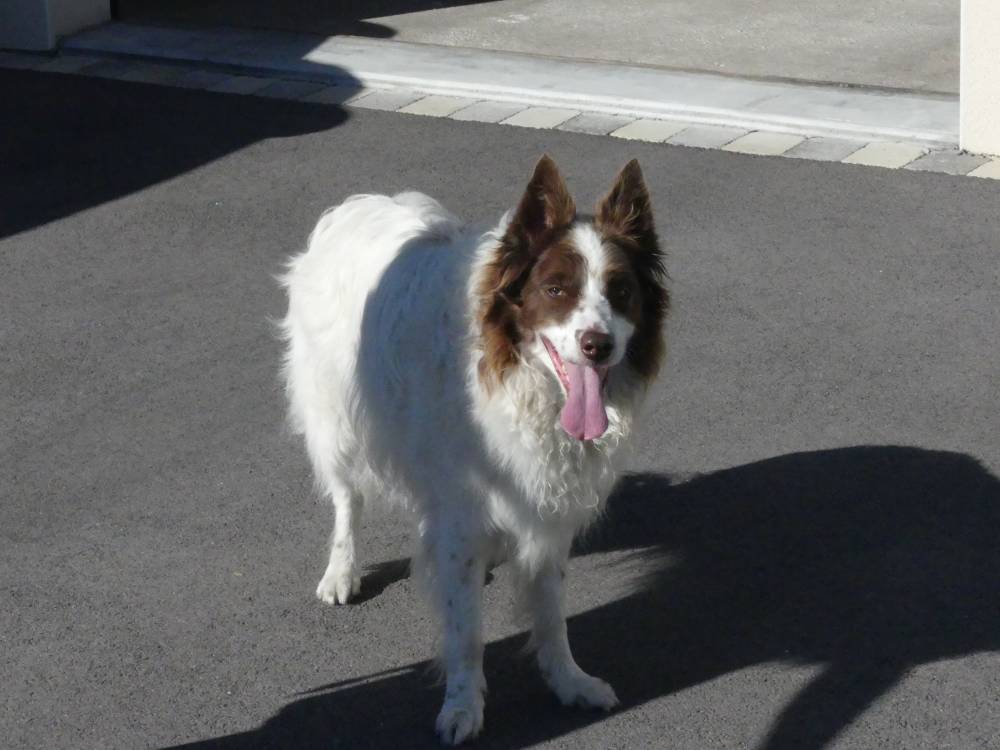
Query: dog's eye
x=621, y=293
x=554, y=291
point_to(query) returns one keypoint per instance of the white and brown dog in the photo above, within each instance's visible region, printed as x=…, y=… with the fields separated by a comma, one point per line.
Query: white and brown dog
x=486, y=382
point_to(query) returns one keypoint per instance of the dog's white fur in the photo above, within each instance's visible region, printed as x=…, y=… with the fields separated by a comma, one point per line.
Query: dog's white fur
x=381, y=373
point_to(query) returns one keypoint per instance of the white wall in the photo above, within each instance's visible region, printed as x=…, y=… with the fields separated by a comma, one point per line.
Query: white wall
x=69, y=16
x=38, y=24
x=980, y=85
x=24, y=24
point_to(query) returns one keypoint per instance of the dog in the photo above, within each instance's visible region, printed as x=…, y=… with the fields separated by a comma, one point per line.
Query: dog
x=488, y=383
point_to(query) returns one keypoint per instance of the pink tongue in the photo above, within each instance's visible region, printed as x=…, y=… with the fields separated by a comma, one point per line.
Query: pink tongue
x=583, y=416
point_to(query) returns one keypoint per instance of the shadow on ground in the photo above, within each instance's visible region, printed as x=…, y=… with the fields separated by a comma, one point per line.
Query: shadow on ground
x=328, y=17
x=68, y=143
x=866, y=560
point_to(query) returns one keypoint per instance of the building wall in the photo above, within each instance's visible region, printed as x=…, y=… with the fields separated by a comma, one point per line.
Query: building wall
x=38, y=24
x=980, y=85
x=69, y=16
x=24, y=24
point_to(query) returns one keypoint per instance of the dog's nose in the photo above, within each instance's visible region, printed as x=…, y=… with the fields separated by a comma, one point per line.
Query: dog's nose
x=596, y=346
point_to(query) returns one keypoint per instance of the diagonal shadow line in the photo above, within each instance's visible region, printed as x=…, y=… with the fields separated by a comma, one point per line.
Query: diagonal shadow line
x=305, y=16
x=344, y=684
x=380, y=576
x=829, y=703
x=69, y=143
x=868, y=560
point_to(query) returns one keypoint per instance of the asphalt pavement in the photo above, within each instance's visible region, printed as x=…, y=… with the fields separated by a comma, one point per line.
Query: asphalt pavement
x=806, y=557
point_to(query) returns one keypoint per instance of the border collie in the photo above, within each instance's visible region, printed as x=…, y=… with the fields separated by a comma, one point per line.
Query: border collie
x=485, y=382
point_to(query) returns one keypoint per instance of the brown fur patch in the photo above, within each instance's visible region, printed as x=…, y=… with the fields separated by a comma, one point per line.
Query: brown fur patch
x=621, y=283
x=540, y=222
x=554, y=286
x=625, y=221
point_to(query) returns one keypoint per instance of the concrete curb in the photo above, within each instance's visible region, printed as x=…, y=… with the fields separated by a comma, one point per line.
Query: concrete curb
x=313, y=89
x=623, y=90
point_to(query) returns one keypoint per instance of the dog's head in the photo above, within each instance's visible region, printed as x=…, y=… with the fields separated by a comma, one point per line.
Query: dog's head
x=582, y=297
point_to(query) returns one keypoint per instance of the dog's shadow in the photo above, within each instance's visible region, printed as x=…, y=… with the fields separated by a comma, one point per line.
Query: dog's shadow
x=867, y=561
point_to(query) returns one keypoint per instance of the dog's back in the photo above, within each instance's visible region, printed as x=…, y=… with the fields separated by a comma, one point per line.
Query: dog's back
x=374, y=328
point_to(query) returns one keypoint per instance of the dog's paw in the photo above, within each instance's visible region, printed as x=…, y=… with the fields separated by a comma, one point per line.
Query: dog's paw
x=577, y=688
x=339, y=585
x=460, y=720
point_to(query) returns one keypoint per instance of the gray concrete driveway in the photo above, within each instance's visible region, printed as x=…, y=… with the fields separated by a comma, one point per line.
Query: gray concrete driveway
x=806, y=558
x=907, y=44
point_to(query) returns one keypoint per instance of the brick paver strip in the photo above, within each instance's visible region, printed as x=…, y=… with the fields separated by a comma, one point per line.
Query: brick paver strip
x=437, y=106
x=541, y=117
x=595, y=123
x=650, y=130
x=706, y=136
x=889, y=155
x=488, y=111
x=763, y=143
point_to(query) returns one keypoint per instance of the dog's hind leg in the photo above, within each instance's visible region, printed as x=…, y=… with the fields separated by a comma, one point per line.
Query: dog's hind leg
x=342, y=579
x=330, y=443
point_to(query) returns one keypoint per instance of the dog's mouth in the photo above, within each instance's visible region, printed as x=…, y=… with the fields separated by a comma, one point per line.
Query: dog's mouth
x=584, y=415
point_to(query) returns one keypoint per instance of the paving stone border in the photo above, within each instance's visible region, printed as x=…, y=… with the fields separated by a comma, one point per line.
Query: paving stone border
x=887, y=155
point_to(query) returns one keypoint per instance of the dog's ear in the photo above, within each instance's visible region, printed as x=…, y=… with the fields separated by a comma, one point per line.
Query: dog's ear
x=545, y=205
x=625, y=216
x=545, y=208
x=626, y=211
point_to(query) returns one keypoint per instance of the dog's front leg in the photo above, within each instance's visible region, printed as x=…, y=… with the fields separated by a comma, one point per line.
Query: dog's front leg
x=573, y=686
x=456, y=554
